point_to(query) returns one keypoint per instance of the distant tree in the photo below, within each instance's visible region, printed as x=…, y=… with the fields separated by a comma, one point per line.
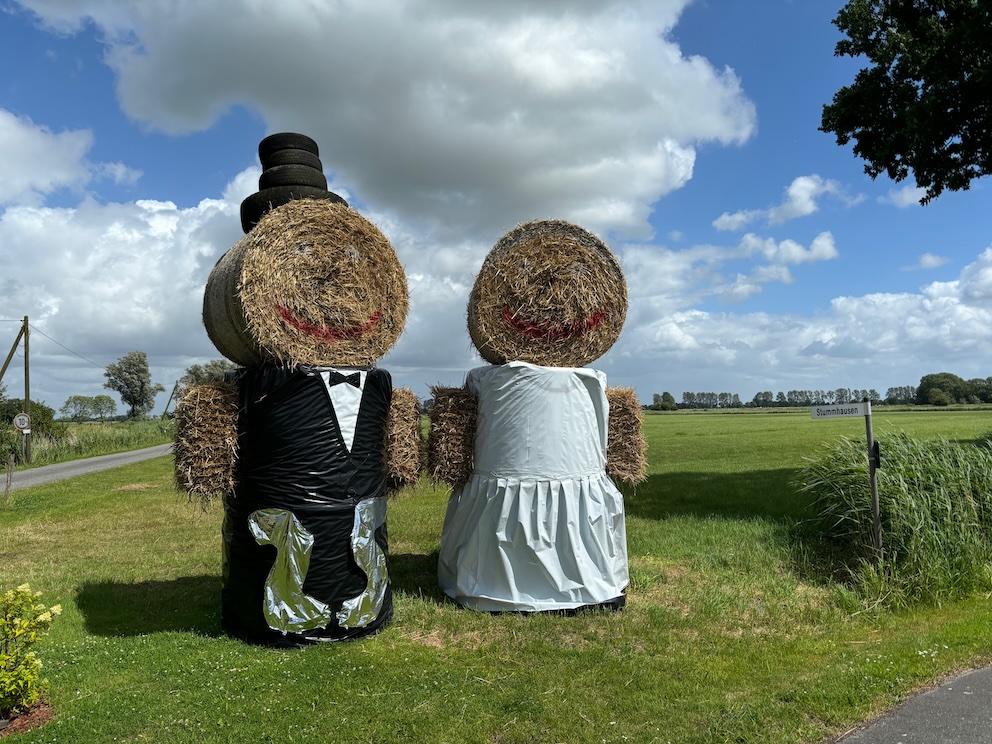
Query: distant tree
x=938, y=397
x=922, y=106
x=212, y=371
x=949, y=389
x=77, y=408
x=130, y=377
x=763, y=399
x=104, y=406
x=981, y=389
x=900, y=395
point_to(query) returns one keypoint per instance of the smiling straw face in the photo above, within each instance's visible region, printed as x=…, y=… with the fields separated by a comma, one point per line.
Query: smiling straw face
x=548, y=293
x=316, y=283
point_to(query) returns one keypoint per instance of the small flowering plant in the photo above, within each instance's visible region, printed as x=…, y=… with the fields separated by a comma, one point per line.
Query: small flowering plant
x=23, y=622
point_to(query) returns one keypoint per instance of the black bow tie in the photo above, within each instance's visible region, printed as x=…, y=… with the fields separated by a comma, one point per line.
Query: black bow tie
x=336, y=378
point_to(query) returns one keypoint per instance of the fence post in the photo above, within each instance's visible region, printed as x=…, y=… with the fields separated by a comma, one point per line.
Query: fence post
x=10, y=479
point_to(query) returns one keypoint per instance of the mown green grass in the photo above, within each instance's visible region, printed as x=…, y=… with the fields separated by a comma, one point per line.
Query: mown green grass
x=725, y=637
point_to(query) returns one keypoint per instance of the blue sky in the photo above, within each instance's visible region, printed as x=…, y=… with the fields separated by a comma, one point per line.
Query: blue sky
x=758, y=253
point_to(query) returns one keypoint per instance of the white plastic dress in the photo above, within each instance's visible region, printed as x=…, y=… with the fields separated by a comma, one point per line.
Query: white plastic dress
x=539, y=525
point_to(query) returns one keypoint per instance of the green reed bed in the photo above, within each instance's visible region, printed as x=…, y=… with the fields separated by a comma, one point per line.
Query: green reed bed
x=935, y=499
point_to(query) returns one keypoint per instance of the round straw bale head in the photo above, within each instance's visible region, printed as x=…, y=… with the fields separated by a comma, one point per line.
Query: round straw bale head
x=313, y=283
x=548, y=293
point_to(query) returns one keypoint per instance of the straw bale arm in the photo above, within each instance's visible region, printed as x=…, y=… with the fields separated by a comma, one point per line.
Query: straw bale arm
x=403, y=441
x=626, y=449
x=451, y=440
x=206, y=441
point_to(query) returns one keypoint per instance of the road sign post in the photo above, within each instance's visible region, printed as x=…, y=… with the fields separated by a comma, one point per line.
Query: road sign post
x=849, y=410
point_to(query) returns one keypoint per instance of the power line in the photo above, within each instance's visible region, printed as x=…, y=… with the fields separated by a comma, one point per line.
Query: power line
x=90, y=361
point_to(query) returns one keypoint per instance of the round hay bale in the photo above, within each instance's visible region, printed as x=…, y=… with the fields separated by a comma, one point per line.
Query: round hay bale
x=548, y=293
x=312, y=283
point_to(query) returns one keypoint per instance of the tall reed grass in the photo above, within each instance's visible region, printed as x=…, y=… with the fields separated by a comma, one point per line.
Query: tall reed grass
x=935, y=499
x=92, y=439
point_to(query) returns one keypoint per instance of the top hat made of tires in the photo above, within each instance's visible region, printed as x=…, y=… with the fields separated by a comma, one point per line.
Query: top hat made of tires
x=291, y=169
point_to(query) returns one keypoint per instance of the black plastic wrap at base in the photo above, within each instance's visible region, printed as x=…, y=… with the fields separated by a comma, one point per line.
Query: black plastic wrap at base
x=293, y=464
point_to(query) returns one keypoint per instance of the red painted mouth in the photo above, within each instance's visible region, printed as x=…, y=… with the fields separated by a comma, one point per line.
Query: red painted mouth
x=552, y=331
x=328, y=334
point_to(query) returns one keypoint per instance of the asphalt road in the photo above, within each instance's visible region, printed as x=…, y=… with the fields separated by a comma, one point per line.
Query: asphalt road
x=959, y=711
x=62, y=470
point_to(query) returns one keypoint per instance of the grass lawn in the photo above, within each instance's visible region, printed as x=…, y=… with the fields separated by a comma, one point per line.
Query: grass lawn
x=726, y=635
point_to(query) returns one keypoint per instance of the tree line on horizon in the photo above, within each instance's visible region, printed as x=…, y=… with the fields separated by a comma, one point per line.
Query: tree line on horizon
x=938, y=389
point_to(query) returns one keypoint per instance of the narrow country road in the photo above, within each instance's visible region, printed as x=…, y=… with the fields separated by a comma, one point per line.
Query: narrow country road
x=62, y=470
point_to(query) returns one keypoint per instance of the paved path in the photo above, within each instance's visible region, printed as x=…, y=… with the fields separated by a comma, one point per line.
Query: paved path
x=956, y=712
x=62, y=470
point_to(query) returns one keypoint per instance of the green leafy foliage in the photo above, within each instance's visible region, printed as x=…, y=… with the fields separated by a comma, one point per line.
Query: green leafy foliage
x=944, y=388
x=43, y=424
x=201, y=374
x=935, y=501
x=85, y=408
x=24, y=621
x=131, y=378
x=922, y=104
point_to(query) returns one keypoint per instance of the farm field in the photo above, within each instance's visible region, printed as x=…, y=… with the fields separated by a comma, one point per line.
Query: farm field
x=727, y=634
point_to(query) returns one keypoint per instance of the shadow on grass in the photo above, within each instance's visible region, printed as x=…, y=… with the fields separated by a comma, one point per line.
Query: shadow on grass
x=189, y=603
x=416, y=574
x=765, y=494
x=192, y=603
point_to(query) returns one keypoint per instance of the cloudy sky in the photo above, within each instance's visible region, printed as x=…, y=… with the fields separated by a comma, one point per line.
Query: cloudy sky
x=758, y=254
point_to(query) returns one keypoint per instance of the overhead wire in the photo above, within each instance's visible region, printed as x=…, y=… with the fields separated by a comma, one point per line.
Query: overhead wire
x=90, y=361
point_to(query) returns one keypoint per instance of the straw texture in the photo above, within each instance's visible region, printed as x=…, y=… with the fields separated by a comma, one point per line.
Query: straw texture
x=548, y=293
x=206, y=441
x=312, y=283
x=451, y=439
x=404, y=452
x=626, y=448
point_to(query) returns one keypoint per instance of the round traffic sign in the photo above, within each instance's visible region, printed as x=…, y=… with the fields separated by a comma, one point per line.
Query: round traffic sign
x=22, y=421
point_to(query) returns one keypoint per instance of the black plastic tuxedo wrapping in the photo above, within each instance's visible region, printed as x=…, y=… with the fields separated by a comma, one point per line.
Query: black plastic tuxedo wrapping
x=305, y=530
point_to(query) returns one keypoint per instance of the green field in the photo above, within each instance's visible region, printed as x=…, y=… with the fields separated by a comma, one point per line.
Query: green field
x=727, y=634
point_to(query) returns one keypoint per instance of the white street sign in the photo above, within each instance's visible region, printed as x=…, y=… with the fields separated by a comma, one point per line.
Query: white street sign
x=841, y=410
x=21, y=421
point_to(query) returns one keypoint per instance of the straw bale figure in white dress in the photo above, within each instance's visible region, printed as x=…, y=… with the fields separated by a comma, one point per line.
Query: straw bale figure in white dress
x=532, y=443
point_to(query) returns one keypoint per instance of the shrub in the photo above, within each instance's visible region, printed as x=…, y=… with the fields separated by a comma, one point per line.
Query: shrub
x=935, y=501
x=23, y=622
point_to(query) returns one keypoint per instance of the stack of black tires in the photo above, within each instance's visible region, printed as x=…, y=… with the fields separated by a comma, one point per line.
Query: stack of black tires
x=291, y=169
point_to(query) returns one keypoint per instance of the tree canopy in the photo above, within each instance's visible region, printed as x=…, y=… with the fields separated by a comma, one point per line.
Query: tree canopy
x=131, y=378
x=85, y=408
x=944, y=388
x=212, y=371
x=924, y=104
x=42, y=417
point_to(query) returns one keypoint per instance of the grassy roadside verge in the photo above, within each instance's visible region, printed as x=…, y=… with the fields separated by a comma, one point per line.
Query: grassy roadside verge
x=95, y=439
x=725, y=637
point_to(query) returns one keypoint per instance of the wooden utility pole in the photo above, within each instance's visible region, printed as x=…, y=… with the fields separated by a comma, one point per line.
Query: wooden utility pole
x=23, y=333
x=27, y=391
x=13, y=348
